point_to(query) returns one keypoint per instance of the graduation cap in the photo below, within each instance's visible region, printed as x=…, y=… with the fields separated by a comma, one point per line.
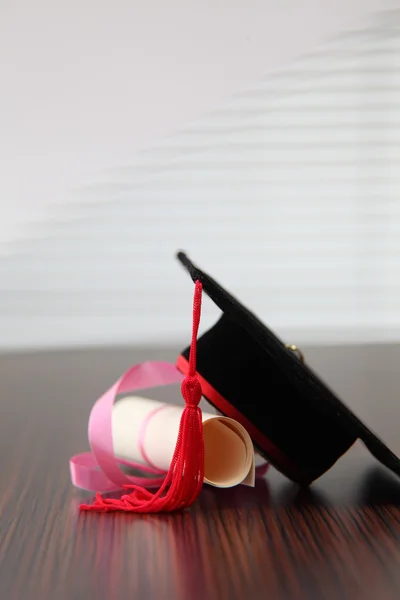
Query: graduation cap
x=249, y=374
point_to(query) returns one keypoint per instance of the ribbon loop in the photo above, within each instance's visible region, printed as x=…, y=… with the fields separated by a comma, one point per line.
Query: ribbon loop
x=99, y=470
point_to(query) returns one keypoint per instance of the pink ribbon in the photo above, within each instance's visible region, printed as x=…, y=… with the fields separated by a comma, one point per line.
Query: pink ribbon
x=99, y=470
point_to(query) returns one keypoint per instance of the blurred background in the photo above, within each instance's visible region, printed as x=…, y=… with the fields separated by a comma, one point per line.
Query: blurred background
x=262, y=138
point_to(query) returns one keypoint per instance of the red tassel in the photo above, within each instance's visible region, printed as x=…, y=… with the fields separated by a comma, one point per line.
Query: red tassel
x=184, y=479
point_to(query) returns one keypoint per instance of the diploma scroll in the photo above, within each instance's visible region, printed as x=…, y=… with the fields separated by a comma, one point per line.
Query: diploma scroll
x=146, y=431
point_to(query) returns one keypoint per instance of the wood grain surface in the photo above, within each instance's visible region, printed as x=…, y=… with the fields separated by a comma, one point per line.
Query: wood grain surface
x=338, y=539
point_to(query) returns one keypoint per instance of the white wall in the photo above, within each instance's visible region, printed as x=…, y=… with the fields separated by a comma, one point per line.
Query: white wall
x=85, y=84
x=288, y=193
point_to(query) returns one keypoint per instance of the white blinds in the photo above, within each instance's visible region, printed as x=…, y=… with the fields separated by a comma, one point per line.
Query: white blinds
x=289, y=194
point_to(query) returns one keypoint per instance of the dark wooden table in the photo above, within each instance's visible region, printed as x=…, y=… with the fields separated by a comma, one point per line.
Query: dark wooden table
x=339, y=539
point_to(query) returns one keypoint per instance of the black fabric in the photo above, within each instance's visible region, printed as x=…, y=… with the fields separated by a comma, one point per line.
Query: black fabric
x=246, y=376
x=294, y=395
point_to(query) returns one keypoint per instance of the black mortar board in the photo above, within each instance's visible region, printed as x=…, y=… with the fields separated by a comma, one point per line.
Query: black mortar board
x=246, y=372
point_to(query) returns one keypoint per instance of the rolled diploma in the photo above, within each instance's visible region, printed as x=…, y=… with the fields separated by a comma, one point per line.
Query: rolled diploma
x=228, y=449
